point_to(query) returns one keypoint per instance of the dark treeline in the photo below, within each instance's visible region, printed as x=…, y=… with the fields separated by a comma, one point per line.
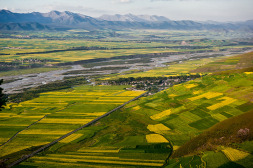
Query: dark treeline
x=151, y=84
x=150, y=79
x=119, y=48
x=146, y=56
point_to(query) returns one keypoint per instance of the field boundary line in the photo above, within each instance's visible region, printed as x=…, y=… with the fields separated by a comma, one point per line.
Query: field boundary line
x=25, y=157
x=23, y=130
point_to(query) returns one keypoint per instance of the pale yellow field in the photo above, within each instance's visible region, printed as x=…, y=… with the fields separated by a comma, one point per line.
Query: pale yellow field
x=234, y=154
x=219, y=117
x=136, y=108
x=101, y=161
x=91, y=150
x=188, y=86
x=227, y=101
x=66, y=121
x=156, y=138
x=71, y=138
x=15, y=148
x=158, y=128
x=103, y=157
x=45, y=131
x=248, y=73
x=207, y=95
x=161, y=115
x=197, y=92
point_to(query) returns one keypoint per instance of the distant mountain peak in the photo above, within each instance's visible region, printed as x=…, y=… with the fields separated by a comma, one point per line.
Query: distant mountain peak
x=66, y=20
x=134, y=18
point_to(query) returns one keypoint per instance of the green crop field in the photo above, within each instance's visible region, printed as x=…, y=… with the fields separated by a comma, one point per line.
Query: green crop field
x=177, y=69
x=65, y=111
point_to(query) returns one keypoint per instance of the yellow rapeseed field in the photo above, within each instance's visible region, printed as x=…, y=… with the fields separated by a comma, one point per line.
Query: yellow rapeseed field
x=227, y=101
x=219, y=117
x=188, y=86
x=70, y=160
x=197, y=92
x=71, y=138
x=100, y=157
x=136, y=108
x=91, y=150
x=248, y=73
x=161, y=115
x=15, y=148
x=207, y=95
x=234, y=154
x=156, y=138
x=45, y=131
x=158, y=128
x=66, y=121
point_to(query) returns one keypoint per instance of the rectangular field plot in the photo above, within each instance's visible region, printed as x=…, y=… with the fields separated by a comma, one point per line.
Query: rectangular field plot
x=99, y=157
x=57, y=113
x=156, y=138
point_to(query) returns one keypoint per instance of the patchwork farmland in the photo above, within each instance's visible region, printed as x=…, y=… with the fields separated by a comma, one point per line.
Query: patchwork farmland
x=61, y=112
x=147, y=129
x=161, y=129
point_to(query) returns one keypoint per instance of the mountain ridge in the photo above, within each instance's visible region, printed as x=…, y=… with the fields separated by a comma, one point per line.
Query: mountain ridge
x=134, y=18
x=70, y=20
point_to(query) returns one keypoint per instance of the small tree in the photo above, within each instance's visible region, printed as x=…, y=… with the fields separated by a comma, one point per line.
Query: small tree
x=3, y=97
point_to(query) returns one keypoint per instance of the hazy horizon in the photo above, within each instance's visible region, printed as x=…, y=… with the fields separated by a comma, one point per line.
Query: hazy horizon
x=198, y=10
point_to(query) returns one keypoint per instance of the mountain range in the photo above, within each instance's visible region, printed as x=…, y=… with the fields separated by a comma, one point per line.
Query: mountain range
x=134, y=18
x=56, y=20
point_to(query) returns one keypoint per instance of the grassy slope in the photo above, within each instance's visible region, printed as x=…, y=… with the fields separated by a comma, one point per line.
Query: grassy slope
x=232, y=63
x=226, y=133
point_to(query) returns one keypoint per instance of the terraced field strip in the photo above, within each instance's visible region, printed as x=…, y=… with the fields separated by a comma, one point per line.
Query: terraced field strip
x=96, y=156
x=72, y=132
x=22, y=130
x=234, y=154
x=100, y=160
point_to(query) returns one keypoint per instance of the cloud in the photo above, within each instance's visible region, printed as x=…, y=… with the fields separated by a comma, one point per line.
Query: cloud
x=174, y=0
x=122, y=1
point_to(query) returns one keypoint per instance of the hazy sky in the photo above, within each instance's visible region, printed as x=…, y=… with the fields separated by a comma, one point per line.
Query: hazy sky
x=218, y=10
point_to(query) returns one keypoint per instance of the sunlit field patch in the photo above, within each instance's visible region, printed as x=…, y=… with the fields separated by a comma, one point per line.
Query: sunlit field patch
x=161, y=115
x=248, y=73
x=16, y=148
x=101, y=161
x=136, y=108
x=71, y=138
x=188, y=86
x=98, y=150
x=227, y=101
x=207, y=95
x=66, y=121
x=158, y=128
x=197, y=92
x=45, y=131
x=156, y=138
x=234, y=154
